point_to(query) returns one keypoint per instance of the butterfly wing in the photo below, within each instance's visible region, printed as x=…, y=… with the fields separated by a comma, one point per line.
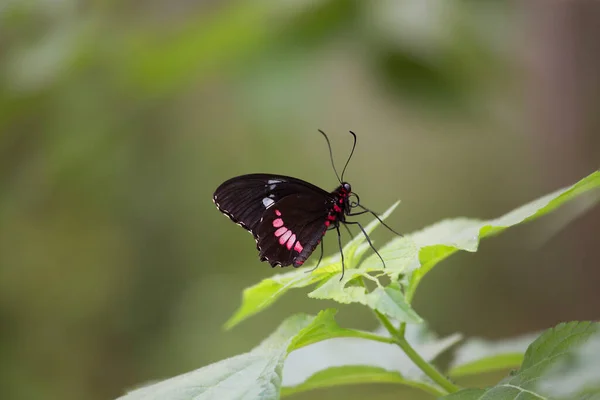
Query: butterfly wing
x=291, y=229
x=245, y=198
x=254, y=202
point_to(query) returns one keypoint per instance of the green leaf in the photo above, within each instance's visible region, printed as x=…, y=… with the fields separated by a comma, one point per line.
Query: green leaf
x=477, y=356
x=250, y=376
x=417, y=254
x=467, y=394
x=258, y=297
x=304, y=367
x=488, y=364
x=549, y=351
x=389, y=301
x=400, y=257
x=324, y=327
x=413, y=256
x=353, y=375
x=442, y=239
x=258, y=373
x=550, y=346
x=579, y=372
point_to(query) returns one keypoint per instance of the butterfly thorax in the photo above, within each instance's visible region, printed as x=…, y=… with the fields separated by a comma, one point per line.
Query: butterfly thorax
x=340, y=205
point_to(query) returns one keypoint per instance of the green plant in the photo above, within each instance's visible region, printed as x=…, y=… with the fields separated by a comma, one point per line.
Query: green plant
x=562, y=363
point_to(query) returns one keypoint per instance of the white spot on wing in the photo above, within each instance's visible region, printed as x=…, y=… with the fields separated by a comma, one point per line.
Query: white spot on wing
x=272, y=183
x=268, y=202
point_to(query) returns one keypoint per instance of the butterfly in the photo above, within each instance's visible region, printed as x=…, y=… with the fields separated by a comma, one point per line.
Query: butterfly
x=289, y=217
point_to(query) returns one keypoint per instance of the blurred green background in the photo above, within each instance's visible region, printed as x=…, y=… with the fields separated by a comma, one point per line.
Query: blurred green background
x=119, y=119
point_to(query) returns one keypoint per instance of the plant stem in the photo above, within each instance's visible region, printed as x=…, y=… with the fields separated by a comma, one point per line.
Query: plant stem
x=370, y=336
x=402, y=329
x=412, y=287
x=400, y=340
x=415, y=357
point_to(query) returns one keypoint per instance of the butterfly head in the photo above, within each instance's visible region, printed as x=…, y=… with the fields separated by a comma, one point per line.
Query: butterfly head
x=345, y=188
x=342, y=203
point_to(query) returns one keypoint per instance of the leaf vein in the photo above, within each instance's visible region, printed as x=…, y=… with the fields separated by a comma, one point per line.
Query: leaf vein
x=522, y=390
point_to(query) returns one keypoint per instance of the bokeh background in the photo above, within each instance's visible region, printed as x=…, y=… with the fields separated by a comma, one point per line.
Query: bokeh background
x=118, y=119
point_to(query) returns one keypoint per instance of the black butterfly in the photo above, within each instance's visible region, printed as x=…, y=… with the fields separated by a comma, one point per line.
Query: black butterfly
x=288, y=217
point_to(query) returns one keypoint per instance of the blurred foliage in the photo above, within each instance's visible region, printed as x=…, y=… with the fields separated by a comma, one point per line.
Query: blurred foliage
x=118, y=120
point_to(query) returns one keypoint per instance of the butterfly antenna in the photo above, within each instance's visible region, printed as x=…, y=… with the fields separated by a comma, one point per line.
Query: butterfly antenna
x=331, y=156
x=351, y=153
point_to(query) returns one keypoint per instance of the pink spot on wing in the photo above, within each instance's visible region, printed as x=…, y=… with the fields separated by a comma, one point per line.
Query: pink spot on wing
x=277, y=222
x=278, y=213
x=327, y=223
x=281, y=231
x=285, y=237
x=298, y=247
x=290, y=242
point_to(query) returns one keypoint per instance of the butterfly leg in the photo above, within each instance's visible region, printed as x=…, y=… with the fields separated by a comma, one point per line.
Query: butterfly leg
x=357, y=213
x=349, y=232
x=377, y=217
x=337, y=228
x=368, y=240
x=320, y=258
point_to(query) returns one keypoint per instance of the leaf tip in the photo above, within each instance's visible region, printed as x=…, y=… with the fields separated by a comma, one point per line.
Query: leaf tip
x=234, y=320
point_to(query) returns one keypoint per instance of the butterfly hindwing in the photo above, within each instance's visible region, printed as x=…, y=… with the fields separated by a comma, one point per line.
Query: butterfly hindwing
x=245, y=198
x=291, y=228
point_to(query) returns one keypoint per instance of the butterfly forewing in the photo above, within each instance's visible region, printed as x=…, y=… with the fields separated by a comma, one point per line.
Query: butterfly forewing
x=291, y=228
x=245, y=198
